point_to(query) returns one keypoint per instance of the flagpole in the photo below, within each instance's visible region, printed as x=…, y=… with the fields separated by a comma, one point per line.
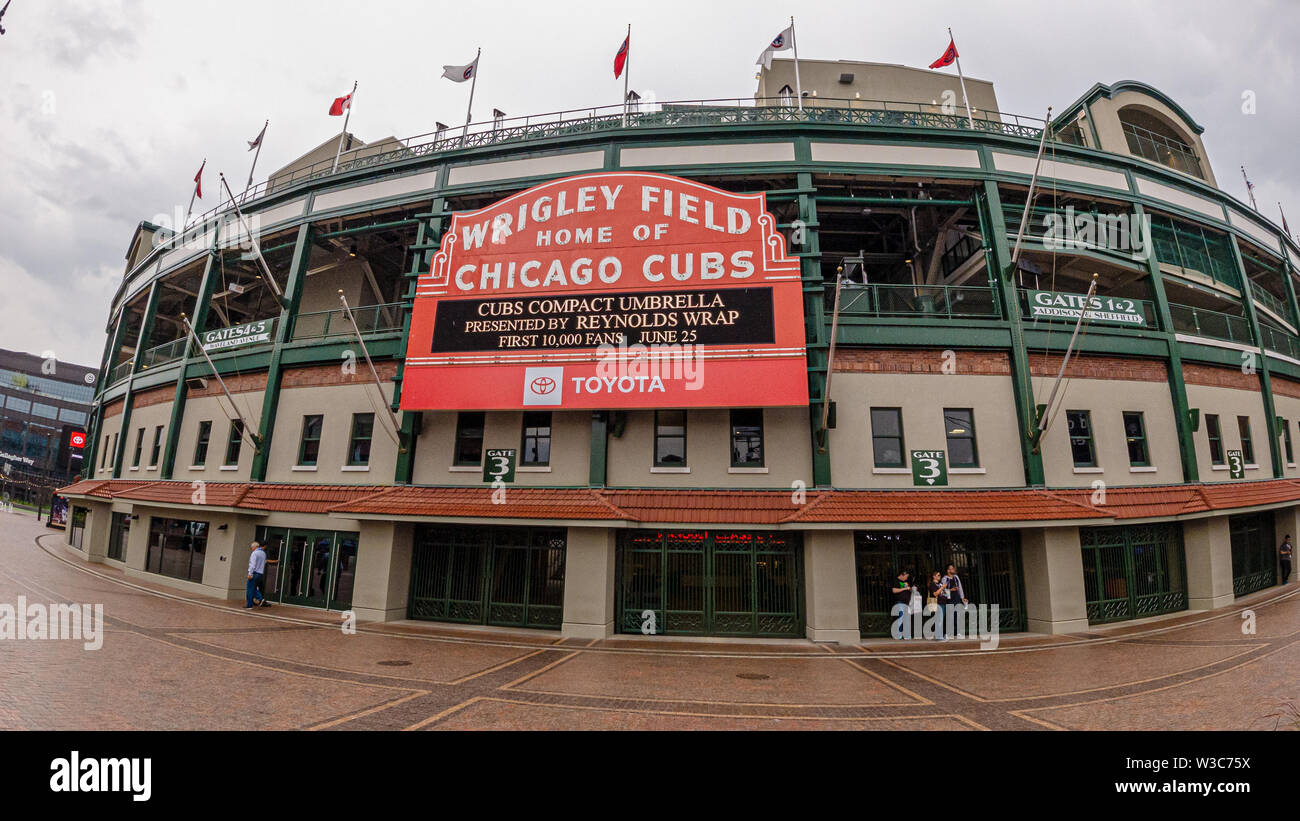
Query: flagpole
x=1250, y=189
x=627, y=71
x=469, y=109
x=194, y=193
x=258, y=153
x=794, y=44
x=1285, y=227
x=344, y=132
x=962, y=77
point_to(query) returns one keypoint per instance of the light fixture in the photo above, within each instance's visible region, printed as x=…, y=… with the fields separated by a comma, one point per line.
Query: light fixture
x=352, y=250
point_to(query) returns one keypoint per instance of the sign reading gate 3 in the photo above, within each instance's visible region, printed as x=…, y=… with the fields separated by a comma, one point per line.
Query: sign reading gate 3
x=617, y=290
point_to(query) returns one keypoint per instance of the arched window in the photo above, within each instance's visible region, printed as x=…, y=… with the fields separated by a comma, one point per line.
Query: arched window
x=1153, y=138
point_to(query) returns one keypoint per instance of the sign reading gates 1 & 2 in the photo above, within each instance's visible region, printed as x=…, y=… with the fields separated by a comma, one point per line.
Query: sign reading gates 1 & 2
x=609, y=290
x=1103, y=309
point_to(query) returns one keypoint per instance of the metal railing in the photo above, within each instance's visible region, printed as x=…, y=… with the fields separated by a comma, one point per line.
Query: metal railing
x=595, y=119
x=161, y=354
x=1268, y=300
x=1279, y=341
x=1160, y=149
x=1214, y=324
x=120, y=371
x=371, y=319
x=947, y=301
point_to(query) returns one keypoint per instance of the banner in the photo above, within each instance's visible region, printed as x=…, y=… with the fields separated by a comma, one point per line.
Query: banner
x=237, y=336
x=1101, y=309
x=609, y=290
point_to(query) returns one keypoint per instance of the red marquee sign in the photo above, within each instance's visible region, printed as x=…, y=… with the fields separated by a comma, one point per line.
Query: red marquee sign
x=615, y=290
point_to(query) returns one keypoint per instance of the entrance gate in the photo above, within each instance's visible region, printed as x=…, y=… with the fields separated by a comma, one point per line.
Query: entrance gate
x=988, y=562
x=504, y=576
x=1133, y=572
x=1254, y=557
x=311, y=568
x=710, y=583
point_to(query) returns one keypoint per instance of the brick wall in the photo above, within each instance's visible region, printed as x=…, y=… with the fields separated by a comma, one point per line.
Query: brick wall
x=1216, y=377
x=1099, y=367
x=325, y=375
x=236, y=383
x=913, y=360
x=1285, y=387
x=156, y=396
x=114, y=408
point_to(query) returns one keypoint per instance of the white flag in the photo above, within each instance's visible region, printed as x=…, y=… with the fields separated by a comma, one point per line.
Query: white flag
x=779, y=43
x=459, y=74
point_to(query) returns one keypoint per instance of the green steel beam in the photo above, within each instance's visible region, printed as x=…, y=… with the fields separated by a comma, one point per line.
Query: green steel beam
x=198, y=322
x=816, y=328
x=283, y=333
x=128, y=401
x=428, y=237
x=1265, y=383
x=995, y=233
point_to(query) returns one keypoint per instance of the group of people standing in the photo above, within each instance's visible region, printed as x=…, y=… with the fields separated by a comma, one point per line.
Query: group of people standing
x=944, y=591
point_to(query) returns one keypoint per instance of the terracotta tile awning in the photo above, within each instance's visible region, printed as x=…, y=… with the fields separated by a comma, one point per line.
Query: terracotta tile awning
x=737, y=507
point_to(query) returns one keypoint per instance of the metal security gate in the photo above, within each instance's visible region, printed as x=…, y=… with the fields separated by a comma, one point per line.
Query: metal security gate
x=1133, y=572
x=1254, y=557
x=988, y=562
x=505, y=576
x=709, y=583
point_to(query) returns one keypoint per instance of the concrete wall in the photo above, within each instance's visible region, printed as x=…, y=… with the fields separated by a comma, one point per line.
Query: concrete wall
x=149, y=418
x=875, y=82
x=337, y=403
x=1105, y=116
x=570, y=449
x=1228, y=404
x=589, y=583
x=1055, y=599
x=215, y=409
x=1208, y=552
x=830, y=586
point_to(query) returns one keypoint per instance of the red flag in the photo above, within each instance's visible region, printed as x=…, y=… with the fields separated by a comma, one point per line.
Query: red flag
x=340, y=105
x=620, y=59
x=198, y=181
x=949, y=56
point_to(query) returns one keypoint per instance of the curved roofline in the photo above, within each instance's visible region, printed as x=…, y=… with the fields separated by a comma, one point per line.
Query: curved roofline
x=1109, y=92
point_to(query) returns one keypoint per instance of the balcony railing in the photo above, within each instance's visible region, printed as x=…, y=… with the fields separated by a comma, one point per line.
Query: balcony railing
x=164, y=353
x=1160, y=149
x=598, y=119
x=1279, y=341
x=1268, y=300
x=1214, y=324
x=120, y=371
x=371, y=319
x=947, y=301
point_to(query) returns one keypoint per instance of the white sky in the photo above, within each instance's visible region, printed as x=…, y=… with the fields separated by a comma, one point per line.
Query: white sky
x=109, y=106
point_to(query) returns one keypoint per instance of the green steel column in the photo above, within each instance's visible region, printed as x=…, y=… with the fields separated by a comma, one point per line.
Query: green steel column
x=128, y=400
x=1173, y=362
x=283, y=333
x=816, y=331
x=1020, y=374
x=1290, y=287
x=428, y=238
x=1265, y=383
x=198, y=321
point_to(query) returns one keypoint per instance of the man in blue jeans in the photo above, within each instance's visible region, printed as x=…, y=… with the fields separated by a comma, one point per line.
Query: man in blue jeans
x=256, y=573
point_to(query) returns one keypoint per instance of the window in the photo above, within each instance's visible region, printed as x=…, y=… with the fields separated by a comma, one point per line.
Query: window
x=177, y=548
x=887, y=437
x=309, y=447
x=103, y=457
x=1286, y=441
x=201, y=444
x=112, y=454
x=139, y=446
x=1080, y=427
x=469, y=438
x=1135, y=434
x=233, y=441
x=363, y=426
x=747, y=438
x=537, y=438
x=157, y=446
x=118, y=534
x=959, y=427
x=77, y=527
x=1216, y=438
x=1247, y=446
x=670, y=438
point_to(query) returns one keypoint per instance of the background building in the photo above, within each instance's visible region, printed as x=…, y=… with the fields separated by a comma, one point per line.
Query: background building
x=44, y=407
x=1164, y=478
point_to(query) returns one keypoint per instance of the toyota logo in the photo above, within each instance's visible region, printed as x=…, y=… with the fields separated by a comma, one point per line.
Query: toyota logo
x=542, y=385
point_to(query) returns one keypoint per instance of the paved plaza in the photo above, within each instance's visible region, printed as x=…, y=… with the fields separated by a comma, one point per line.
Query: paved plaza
x=171, y=660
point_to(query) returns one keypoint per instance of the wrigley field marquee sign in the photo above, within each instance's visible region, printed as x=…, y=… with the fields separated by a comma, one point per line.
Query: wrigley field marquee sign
x=613, y=290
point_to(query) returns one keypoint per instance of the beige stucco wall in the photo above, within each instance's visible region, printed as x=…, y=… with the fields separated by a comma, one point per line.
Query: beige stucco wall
x=1055, y=597
x=148, y=418
x=107, y=430
x=922, y=398
x=215, y=409
x=787, y=452
x=1230, y=403
x=882, y=82
x=570, y=447
x=1105, y=115
x=337, y=403
x=1289, y=409
x=1108, y=400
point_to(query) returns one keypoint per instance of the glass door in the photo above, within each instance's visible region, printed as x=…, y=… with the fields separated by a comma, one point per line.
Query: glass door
x=307, y=567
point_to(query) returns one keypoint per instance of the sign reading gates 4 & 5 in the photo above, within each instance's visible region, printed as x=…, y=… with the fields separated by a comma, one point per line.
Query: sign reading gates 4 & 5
x=610, y=290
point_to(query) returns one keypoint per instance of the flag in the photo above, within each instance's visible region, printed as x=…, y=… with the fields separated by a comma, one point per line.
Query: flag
x=340, y=105
x=258, y=141
x=949, y=56
x=198, y=181
x=781, y=42
x=620, y=57
x=459, y=74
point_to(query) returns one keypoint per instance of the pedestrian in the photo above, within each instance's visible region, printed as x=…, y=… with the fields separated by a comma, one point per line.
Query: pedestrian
x=938, y=594
x=1284, y=553
x=902, y=590
x=253, y=595
x=954, y=593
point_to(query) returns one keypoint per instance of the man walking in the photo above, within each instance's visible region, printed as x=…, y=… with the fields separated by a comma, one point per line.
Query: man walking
x=1284, y=552
x=954, y=594
x=256, y=573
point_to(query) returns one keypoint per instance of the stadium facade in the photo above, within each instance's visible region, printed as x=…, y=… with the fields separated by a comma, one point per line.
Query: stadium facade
x=598, y=391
